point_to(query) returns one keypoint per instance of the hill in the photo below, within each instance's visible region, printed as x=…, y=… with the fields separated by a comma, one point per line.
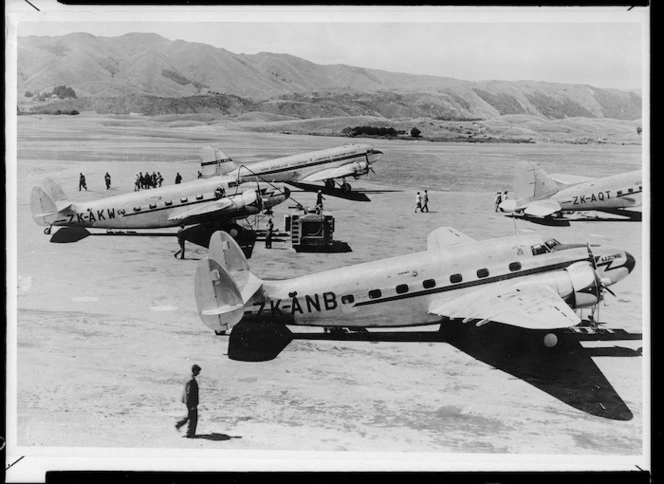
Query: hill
x=150, y=74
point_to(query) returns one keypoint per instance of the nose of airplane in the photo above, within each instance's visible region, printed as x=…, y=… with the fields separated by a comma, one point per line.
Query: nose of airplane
x=630, y=262
x=376, y=154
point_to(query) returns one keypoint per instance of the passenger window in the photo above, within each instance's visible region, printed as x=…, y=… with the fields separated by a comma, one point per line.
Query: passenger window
x=292, y=294
x=137, y=209
x=619, y=192
x=169, y=203
x=402, y=288
x=515, y=266
x=630, y=190
x=199, y=197
x=428, y=284
x=482, y=273
x=183, y=200
x=454, y=278
x=153, y=205
x=375, y=293
x=347, y=299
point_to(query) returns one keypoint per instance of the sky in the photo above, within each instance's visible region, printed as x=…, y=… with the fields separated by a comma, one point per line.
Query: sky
x=604, y=48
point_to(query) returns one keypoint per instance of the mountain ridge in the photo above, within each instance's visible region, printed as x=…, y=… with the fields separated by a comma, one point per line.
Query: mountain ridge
x=147, y=64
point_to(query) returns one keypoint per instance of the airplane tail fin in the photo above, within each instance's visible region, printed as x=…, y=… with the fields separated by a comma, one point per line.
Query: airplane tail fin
x=43, y=208
x=224, y=283
x=215, y=163
x=532, y=182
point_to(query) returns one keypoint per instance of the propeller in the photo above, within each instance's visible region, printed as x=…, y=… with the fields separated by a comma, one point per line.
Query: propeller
x=601, y=286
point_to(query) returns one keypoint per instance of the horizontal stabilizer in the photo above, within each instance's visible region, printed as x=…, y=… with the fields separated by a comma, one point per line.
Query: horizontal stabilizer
x=445, y=237
x=531, y=306
x=542, y=208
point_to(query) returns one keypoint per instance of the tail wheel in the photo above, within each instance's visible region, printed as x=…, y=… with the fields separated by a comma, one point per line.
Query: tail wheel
x=47, y=230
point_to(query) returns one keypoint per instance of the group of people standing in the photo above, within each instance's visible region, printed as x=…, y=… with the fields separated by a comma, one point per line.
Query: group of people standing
x=422, y=202
x=142, y=181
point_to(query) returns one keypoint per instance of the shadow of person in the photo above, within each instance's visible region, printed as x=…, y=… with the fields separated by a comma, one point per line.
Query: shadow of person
x=216, y=436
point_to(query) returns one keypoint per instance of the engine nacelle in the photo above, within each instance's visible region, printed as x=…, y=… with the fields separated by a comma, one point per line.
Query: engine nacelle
x=585, y=285
x=361, y=167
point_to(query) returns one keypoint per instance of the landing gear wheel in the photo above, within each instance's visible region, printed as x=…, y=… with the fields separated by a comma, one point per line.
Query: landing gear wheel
x=47, y=230
x=345, y=187
x=329, y=184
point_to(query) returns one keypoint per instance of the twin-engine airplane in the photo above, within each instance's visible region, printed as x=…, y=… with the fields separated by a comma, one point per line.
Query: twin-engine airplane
x=214, y=201
x=538, y=195
x=522, y=281
x=302, y=170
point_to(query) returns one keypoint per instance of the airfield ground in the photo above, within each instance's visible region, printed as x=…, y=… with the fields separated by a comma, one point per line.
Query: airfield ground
x=106, y=328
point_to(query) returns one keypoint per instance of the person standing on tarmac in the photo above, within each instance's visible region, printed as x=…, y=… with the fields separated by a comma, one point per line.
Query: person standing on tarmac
x=418, y=202
x=497, y=201
x=107, y=179
x=180, y=236
x=319, y=200
x=268, y=234
x=190, y=399
x=81, y=183
x=178, y=178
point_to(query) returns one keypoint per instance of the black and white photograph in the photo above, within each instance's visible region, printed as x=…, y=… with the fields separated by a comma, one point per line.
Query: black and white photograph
x=321, y=238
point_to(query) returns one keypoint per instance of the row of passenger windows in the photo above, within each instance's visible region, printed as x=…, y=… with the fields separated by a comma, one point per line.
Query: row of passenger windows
x=168, y=203
x=629, y=190
x=430, y=283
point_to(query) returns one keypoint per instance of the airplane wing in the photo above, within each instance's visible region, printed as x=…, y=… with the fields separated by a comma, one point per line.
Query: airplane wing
x=445, y=237
x=564, y=179
x=542, y=208
x=531, y=306
x=330, y=173
x=208, y=208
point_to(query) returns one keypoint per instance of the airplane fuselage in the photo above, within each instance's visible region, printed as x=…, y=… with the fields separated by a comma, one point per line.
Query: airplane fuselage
x=298, y=167
x=151, y=208
x=399, y=291
x=617, y=191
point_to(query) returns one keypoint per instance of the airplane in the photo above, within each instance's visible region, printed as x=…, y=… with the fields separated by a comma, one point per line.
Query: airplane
x=538, y=195
x=205, y=204
x=526, y=281
x=302, y=170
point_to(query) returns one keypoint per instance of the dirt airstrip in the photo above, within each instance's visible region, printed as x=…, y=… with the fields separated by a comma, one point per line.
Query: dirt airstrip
x=106, y=328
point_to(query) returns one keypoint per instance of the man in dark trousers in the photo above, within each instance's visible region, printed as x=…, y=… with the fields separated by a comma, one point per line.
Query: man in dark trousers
x=107, y=179
x=81, y=183
x=178, y=178
x=190, y=399
x=268, y=234
x=181, y=242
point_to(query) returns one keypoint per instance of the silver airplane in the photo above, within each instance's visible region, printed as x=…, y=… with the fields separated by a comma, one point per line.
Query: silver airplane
x=524, y=281
x=300, y=170
x=538, y=195
x=214, y=199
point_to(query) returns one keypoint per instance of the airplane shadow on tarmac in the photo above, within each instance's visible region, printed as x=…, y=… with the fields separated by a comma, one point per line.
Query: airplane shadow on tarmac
x=566, y=371
x=216, y=436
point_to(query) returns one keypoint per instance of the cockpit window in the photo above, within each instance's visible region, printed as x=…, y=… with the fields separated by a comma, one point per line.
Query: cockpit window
x=539, y=249
x=551, y=243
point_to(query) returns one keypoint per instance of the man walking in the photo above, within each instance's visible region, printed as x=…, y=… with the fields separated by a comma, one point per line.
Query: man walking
x=418, y=202
x=180, y=236
x=190, y=399
x=81, y=183
x=425, y=201
x=268, y=234
x=497, y=201
x=107, y=179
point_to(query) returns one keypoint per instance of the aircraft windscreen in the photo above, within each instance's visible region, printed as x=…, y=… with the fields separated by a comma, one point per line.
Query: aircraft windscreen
x=551, y=243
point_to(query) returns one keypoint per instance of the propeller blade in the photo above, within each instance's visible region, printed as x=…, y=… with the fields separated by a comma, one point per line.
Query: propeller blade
x=609, y=290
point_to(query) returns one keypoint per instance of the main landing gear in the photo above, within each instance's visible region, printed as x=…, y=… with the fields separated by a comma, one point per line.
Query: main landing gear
x=344, y=186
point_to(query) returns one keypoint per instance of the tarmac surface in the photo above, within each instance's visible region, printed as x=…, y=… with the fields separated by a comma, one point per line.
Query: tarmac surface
x=106, y=331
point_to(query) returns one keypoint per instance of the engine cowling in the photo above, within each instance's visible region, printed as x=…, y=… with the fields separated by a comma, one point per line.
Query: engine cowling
x=361, y=167
x=585, y=287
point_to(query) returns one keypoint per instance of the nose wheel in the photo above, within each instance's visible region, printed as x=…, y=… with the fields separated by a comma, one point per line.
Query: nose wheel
x=47, y=230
